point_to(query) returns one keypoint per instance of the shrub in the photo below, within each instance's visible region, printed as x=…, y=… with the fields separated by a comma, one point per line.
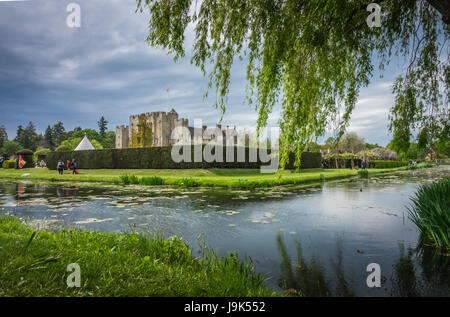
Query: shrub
x=40, y=153
x=431, y=212
x=161, y=158
x=308, y=160
x=129, y=179
x=27, y=156
x=63, y=148
x=387, y=164
x=363, y=173
x=154, y=180
x=189, y=182
x=9, y=164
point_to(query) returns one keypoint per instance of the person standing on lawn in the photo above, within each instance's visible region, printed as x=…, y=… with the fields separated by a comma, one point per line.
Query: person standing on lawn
x=74, y=166
x=60, y=167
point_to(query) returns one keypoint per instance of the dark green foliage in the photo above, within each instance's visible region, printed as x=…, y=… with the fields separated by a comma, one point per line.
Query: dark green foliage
x=3, y=135
x=129, y=179
x=363, y=173
x=158, y=158
x=431, y=212
x=102, y=127
x=62, y=148
x=9, y=164
x=189, y=182
x=154, y=180
x=115, y=264
x=27, y=156
x=387, y=164
x=308, y=160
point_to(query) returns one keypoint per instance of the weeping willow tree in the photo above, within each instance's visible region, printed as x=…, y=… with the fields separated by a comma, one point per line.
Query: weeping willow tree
x=314, y=56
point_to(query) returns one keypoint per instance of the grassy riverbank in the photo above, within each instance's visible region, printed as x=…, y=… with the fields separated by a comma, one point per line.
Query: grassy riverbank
x=111, y=264
x=234, y=178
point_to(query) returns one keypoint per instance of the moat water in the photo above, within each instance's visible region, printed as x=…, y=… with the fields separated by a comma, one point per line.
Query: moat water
x=319, y=239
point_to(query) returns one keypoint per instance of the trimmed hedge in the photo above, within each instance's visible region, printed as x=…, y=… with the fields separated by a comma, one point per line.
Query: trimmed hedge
x=160, y=158
x=27, y=156
x=387, y=164
x=9, y=164
x=308, y=160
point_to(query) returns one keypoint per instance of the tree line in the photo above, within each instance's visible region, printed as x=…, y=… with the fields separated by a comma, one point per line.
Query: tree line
x=55, y=137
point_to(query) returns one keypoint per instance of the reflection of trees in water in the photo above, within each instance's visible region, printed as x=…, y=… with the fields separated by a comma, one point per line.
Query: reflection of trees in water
x=307, y=278
x=432, y=280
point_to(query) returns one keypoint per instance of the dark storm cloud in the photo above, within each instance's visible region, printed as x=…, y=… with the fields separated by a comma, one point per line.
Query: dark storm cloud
x=50, y=72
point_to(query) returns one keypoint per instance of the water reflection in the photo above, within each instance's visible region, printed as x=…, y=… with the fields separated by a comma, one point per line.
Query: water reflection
x=424, y=271
x=308, y=278
x=431, y=277
x=330, y=232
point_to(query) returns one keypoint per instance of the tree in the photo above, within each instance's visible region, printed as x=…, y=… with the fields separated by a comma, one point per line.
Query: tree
x=27, y=137
x=318, y=53
x=48, y=137
x=11, y=147
x=3, y=135
x=351, y=142
x=58, y=133
x=102, y=126
x=96, y=139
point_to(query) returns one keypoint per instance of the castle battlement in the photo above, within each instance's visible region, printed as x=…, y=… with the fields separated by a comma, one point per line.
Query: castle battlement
x=152, y=129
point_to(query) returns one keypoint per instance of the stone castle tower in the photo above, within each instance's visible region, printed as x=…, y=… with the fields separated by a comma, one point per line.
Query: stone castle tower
x=149, y=130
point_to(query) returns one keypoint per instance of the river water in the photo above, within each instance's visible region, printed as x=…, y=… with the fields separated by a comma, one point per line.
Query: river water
x=319, y=239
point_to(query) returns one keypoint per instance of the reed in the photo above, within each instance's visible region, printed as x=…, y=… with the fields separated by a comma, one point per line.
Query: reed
x=430, y=211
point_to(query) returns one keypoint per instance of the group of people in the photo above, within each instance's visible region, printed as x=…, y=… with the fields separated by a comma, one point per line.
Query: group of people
x=68, y=166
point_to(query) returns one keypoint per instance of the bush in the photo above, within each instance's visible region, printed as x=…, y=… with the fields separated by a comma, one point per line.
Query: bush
x=9, y=164
x=308, y=160
x=363, y=173
x=189, y=182
x=160, y=158
x=27, y=156
x=387, y=164
x=129, y=179
x=431, y=212
x=63, y=148
x=40, y=153
x=154, y=180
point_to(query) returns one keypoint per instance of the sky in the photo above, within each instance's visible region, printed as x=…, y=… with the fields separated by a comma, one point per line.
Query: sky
x=50, y=72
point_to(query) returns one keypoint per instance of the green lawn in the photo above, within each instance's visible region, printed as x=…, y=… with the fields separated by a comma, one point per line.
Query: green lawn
x=236, y=178
x=113, y=264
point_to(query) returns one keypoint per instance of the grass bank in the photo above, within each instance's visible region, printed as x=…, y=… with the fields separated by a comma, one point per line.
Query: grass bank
x=35, y=264
x=233, y=178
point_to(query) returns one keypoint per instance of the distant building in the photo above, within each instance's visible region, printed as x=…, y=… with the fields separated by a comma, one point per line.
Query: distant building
x=155, y=129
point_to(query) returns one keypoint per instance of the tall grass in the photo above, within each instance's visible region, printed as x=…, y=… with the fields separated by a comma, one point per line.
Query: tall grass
x=129, y=179
x=363, y=173
x=153, y=180
x=112, y=264
x=430, y=211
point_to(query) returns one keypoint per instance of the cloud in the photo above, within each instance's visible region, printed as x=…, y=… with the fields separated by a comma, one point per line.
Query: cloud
x=50, y=72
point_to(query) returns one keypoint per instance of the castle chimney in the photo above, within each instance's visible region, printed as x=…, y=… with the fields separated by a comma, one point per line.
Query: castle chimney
x=219, y=126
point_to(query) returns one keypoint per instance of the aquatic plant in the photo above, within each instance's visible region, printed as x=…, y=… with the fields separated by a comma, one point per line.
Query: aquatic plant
x=430, y=212
x=363, y=173
x=154, y=180
x=189, y=182
x=129, y=179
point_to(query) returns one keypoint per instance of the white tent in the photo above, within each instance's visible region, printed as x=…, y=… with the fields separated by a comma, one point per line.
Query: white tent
x=84, y=145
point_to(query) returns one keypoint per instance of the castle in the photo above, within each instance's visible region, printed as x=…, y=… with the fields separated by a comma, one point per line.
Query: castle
x=155, y=130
